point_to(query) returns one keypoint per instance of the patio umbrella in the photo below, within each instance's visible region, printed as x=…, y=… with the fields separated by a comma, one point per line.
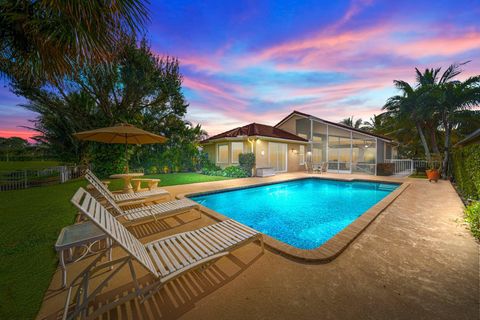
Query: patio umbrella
x=122, y=133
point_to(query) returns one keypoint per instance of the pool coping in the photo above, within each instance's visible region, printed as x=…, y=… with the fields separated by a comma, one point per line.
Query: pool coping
x=335, y=245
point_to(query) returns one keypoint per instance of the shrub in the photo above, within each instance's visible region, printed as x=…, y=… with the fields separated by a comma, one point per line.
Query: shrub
x=108, y=159
x=472, y=217
x=153, y=170
x=206, y=164
x=466, y=162
x=234, y=172
x=212, y=172
x=247, y=162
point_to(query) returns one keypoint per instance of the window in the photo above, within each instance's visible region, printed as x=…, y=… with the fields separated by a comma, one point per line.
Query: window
x=301, y=155
x=222, y=153
x=237, y=148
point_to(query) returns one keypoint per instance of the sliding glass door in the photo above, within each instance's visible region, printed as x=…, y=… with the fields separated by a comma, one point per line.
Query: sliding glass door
x=277, y=156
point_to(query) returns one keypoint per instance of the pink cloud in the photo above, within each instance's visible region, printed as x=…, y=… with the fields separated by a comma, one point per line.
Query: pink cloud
x=25, y=134
x=441, y=45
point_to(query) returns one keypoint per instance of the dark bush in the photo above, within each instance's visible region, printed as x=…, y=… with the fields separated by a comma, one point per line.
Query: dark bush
x=385, y=169
x=204, y=163
x=466, y=164
x=108, y=159
x=247, y=162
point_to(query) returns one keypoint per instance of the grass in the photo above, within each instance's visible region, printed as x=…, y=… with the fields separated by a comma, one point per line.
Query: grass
x=171, y=179
x=22, y=165
x=31, y=221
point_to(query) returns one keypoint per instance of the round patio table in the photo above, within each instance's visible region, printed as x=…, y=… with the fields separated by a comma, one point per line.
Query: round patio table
x=127, y=177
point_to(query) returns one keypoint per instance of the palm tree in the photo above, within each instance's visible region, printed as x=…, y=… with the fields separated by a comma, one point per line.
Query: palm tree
x=455, y=99
x=375, y=124
x=408, y=107
x=41, y=39
x=351, y=123
x=431, y=80
x=448, y=101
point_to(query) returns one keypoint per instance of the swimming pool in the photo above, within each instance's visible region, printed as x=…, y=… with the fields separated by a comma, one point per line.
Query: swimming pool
x=303, y=213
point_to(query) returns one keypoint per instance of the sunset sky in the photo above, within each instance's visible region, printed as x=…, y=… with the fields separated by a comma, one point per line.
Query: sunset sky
x=256, y=61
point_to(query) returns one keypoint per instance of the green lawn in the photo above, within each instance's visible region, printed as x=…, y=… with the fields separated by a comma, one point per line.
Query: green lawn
x=21, y=165
x=30, y=222
x=171, y=179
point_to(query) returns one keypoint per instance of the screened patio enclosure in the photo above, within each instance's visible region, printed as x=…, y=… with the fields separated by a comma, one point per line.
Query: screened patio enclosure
x=345, y=151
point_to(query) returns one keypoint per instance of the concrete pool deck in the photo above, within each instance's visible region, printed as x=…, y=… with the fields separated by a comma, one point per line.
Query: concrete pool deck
x=416, y=260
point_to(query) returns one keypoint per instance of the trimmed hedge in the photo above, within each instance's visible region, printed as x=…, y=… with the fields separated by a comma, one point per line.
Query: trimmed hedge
x=232, y=172
x=472, y=217
x=466, y=169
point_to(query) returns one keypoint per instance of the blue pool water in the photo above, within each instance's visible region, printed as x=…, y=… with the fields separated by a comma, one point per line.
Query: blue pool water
x=302, y=213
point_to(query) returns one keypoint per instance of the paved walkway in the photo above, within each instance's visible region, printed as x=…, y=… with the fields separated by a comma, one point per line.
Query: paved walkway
x=415, y=261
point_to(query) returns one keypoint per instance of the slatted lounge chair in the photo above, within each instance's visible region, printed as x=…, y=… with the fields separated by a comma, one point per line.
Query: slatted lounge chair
x=150, y=212
x=165, y=259
x=124, y=197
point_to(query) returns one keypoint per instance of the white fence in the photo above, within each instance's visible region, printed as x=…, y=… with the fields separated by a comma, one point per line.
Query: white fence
x=22, y=179
x=409, y=166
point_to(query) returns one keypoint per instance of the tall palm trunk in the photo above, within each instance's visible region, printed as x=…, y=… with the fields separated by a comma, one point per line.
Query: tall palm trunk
x=423, y=140
x=433, y=139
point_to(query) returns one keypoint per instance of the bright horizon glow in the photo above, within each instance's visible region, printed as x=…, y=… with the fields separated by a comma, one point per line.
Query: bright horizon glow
x=257, y=62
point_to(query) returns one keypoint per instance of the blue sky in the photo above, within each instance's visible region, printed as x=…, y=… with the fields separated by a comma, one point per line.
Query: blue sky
x=246, y=61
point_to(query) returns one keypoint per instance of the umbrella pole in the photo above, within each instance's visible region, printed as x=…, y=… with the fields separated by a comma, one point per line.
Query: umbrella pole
x=126, y=151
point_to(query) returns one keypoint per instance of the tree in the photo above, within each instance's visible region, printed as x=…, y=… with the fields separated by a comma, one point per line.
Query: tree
x=376, y=124
x=12, y=146
x=135, y=87
x=357, y=124
x=408, y=107
x=455, y=99
x=43, y=40
x=448, y=102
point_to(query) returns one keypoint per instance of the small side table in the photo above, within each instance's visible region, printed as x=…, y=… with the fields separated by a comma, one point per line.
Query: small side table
x=85, y=235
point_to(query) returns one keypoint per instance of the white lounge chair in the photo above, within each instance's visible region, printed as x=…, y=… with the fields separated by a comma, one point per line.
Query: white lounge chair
x=124, y=197
x=165, y=259
x=146, y=213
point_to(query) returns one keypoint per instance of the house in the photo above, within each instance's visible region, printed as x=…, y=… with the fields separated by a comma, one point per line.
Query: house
x=301, y=138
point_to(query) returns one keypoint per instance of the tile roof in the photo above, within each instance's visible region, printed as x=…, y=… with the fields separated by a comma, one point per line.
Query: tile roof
x=256, y=129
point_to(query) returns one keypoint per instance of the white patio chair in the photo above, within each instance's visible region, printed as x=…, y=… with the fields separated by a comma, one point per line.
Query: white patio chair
x=147, y=213
x=166, y=258
x=124, y=197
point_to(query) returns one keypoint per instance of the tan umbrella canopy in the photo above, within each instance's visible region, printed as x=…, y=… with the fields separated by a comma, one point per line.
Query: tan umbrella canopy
x=122, y=133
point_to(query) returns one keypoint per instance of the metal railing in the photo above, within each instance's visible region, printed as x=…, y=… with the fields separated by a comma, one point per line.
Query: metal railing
x=409, y=166
x=22, y=179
